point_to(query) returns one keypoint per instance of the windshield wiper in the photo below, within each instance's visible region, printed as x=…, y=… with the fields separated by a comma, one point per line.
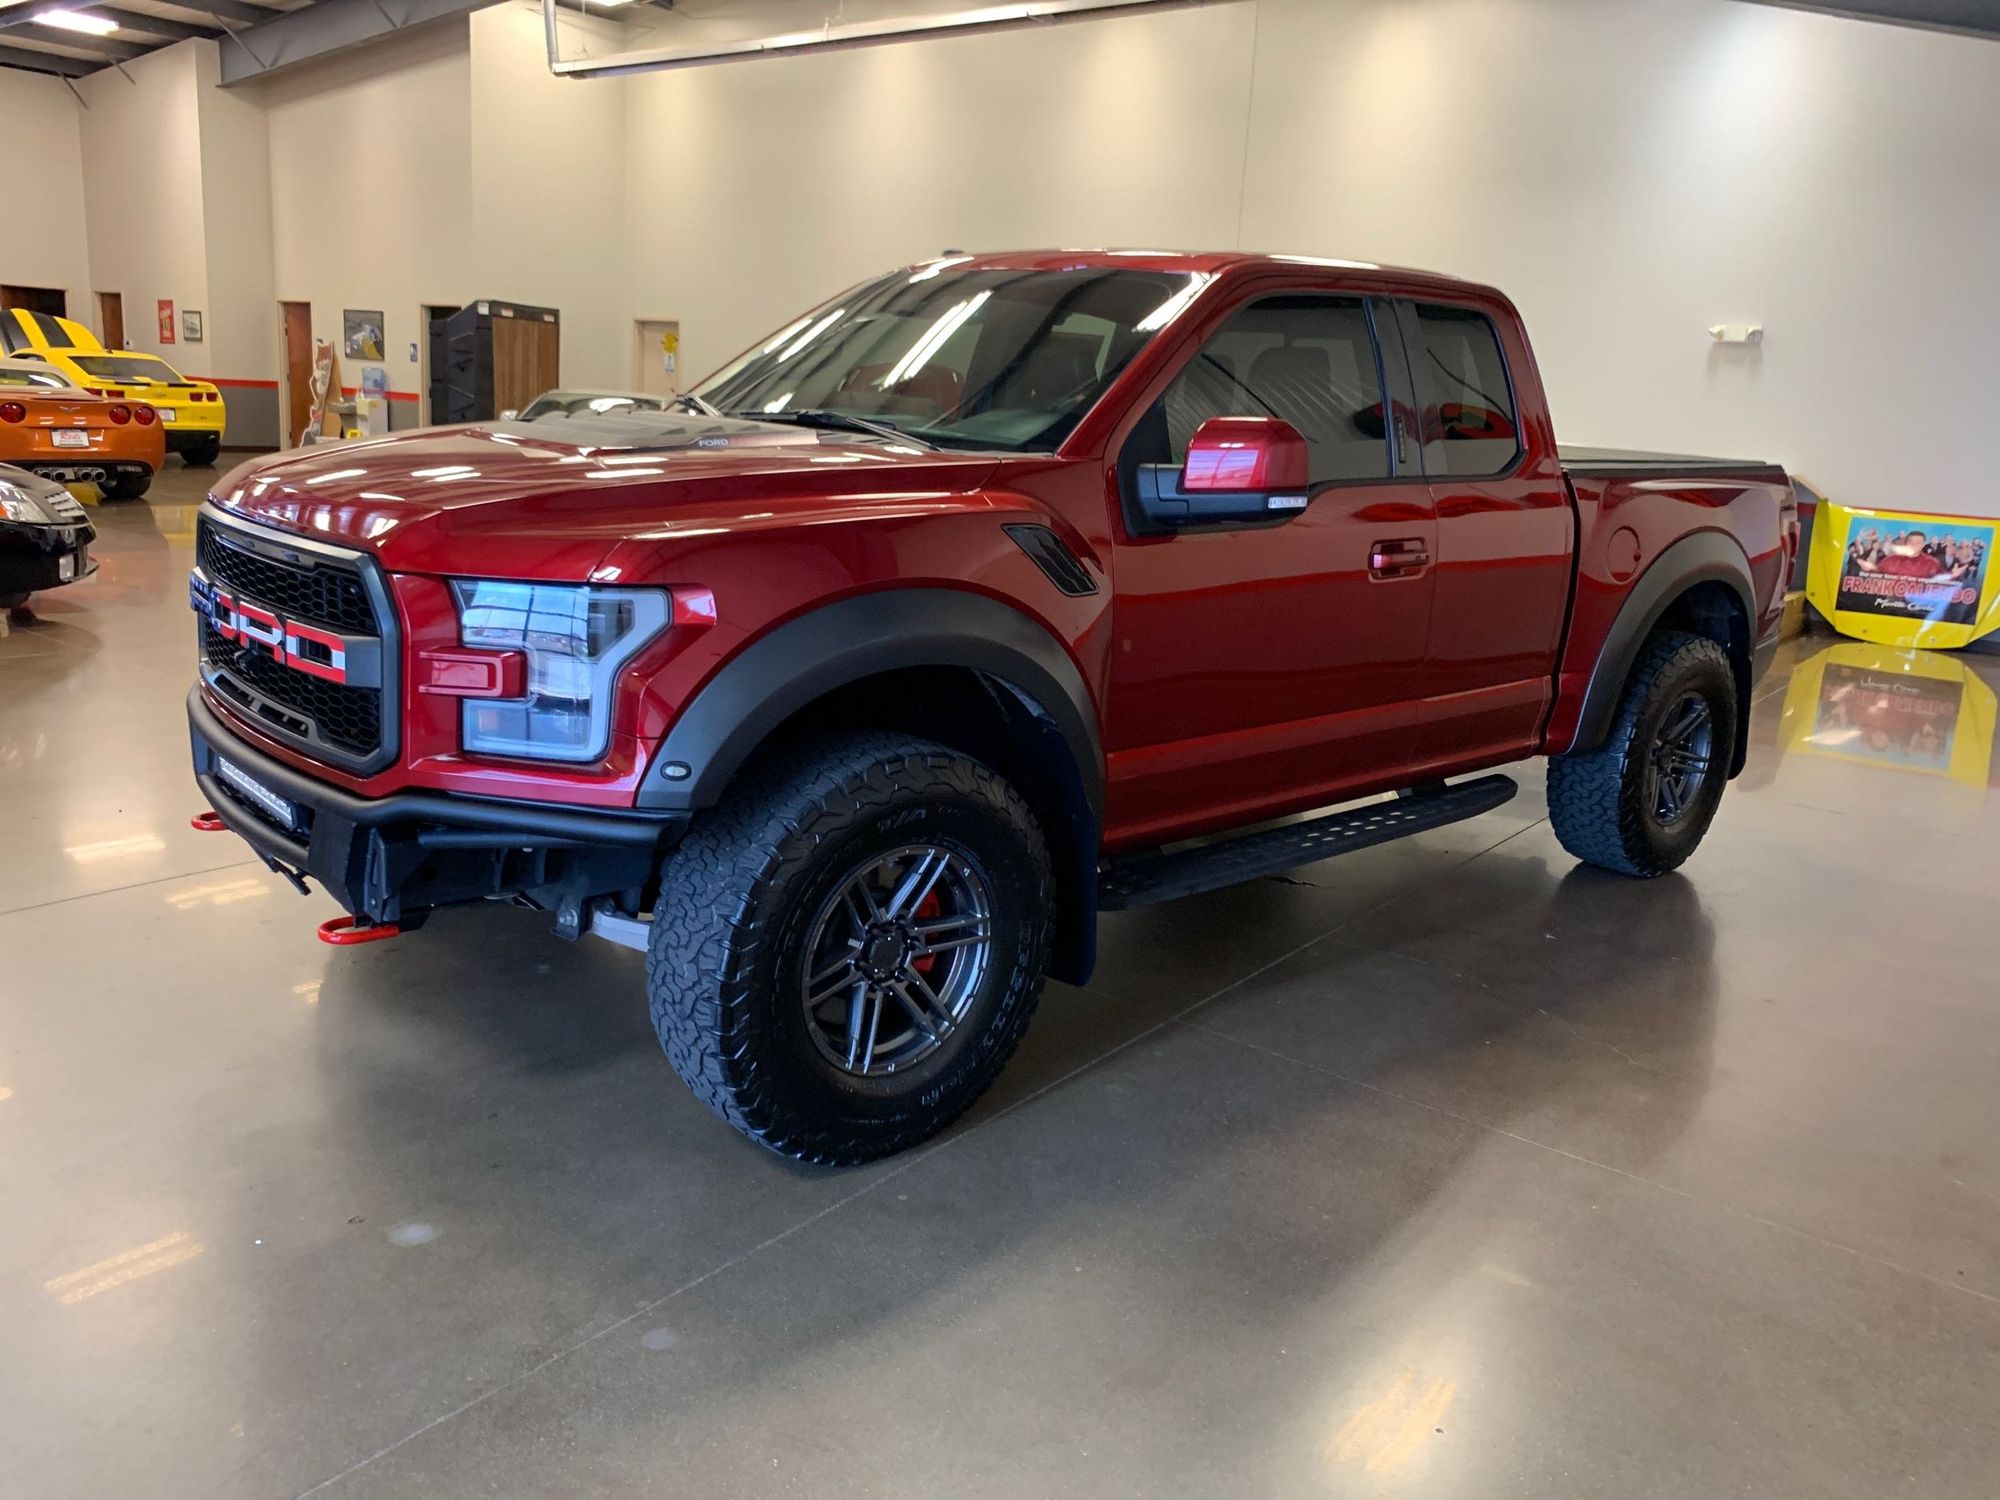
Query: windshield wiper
x=698, y=405
x=836, y=421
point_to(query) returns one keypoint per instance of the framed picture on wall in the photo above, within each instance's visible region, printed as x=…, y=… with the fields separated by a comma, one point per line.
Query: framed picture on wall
x=362, y=334
x=191, y=326
x=166, y=321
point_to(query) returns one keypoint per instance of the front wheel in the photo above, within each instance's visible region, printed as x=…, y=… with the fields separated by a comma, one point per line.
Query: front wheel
x=846, y=951
x=1640, y=803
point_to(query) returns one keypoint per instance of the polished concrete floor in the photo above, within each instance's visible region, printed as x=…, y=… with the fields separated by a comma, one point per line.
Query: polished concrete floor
x=1446, y=1169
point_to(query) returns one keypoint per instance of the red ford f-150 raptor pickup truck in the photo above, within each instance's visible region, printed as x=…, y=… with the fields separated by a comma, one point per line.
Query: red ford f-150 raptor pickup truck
x=992, y=594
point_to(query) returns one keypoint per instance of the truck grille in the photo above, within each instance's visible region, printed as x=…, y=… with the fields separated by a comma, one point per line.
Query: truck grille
x=350, y=726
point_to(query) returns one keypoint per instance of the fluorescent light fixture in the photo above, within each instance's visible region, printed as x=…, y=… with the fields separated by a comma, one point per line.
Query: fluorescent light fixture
x=76, y=20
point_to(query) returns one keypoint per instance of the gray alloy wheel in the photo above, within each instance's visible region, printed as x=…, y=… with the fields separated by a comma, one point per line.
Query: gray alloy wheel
x=897, y=954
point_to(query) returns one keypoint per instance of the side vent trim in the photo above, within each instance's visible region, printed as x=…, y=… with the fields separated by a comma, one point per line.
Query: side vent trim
x=1063, y=567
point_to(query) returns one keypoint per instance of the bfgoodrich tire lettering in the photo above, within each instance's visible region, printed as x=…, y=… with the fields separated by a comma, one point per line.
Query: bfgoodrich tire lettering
x=1607, y=805
x=744, y=895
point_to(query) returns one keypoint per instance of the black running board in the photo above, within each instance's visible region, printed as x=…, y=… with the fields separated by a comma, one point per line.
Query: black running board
x=1144, y=879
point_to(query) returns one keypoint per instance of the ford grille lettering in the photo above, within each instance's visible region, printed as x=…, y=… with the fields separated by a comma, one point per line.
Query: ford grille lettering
x=292, y=643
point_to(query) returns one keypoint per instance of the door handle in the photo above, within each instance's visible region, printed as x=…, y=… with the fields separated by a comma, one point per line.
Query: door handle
x=1401, y=557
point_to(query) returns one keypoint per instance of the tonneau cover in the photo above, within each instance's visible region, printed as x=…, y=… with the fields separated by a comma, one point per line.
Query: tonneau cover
x=1626, y=463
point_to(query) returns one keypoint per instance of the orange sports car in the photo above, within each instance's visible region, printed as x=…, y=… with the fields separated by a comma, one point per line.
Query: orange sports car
x=76, y=437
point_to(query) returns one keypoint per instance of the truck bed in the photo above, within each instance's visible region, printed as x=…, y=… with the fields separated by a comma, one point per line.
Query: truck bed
x=1634, y=463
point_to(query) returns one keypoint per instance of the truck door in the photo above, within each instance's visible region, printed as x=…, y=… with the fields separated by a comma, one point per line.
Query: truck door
x=1505, y=535
x=1270, y=666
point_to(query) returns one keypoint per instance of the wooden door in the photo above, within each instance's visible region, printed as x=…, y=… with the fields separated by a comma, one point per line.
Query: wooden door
x=526, y=361
x=42, y=299
x=111, y=318
x=656, y=357
x=298, y=369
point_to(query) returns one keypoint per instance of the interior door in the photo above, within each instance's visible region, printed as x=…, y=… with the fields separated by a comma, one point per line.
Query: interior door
x=1259, y=669
x=298, y=369
x=111, y=315
x=656, y=357
x=1505, y=535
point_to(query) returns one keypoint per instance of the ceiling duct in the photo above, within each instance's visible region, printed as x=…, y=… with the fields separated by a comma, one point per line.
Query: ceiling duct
x=838, y=37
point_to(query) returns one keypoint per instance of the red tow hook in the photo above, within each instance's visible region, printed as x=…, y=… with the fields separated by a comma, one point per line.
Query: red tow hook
x=208, y=822
x=343, y=932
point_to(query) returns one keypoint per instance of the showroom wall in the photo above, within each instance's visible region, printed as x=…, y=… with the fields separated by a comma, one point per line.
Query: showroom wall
x=44, y=245
x=142, y=185
x=1632, y=171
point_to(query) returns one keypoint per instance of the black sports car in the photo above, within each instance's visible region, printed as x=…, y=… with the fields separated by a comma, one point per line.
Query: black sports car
x=45, y=536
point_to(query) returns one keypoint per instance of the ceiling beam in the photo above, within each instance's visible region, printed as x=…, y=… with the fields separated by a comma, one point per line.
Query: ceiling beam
x=145, y=25
x=110, y=49
x=230, y=10
x=320, y=30
x=47, y=62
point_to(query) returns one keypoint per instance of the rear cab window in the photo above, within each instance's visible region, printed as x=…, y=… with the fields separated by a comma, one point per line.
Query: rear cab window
x=1468, y=414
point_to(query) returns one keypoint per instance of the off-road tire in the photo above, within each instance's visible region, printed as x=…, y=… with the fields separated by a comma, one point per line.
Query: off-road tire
x=1597, y=800
x=723, y=965
x=126, y=486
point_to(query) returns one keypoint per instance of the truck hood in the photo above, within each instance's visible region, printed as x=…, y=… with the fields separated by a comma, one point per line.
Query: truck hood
x=548, y=499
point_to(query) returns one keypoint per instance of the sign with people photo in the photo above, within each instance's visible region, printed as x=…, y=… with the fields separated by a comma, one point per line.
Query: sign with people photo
x=1928, y=570
x=1903, y=578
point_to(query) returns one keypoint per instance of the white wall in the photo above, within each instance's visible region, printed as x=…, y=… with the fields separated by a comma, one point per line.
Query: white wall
x=143, y=195
x=44, y=144
x=756, y=189
x=371, y=170
x=1631, y=171
x=242, y=315
x=548, y=189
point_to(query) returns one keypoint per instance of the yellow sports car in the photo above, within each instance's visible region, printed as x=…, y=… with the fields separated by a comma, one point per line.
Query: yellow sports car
x=191, y=411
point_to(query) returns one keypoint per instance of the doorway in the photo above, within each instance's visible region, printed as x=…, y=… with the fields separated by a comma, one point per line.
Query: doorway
x=297, y=319
x=37, y=299
x=431, y=359
x=656, y=356
x=111, y=319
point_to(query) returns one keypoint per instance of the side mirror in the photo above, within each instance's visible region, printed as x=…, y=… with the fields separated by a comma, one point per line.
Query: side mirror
x=1239, y=471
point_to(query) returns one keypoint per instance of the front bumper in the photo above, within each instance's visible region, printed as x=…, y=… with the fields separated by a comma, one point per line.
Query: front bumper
x=31, y=557
x=392, y=859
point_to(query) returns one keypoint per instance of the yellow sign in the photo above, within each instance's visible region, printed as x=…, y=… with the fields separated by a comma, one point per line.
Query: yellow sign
x=1903, y=578
x=1903, y=710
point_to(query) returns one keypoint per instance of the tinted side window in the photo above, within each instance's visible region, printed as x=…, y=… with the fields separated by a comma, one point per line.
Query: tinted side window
x=1468, y=405
x=1309, y=360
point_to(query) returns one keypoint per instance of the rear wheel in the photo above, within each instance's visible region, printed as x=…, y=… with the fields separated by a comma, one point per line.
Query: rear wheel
x=202, y=453
x=1640, y=803
x=847, y=950
x=126, y=486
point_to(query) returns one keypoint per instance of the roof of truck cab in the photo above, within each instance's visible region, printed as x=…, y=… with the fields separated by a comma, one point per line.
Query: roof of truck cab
x=1208, y=262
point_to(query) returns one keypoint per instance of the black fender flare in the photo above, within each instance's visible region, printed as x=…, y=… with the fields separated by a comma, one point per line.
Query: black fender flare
x=1705, y=557
x=836, y=644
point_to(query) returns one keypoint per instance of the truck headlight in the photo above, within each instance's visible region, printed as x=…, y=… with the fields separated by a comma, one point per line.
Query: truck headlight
x=575, y=639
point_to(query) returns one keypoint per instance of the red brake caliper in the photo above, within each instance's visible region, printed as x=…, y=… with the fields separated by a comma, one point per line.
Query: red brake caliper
x=927, y=910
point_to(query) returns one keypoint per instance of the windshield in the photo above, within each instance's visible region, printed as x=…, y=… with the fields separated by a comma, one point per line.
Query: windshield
x=138, y=368
x=43, y=378
x=974, y=359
